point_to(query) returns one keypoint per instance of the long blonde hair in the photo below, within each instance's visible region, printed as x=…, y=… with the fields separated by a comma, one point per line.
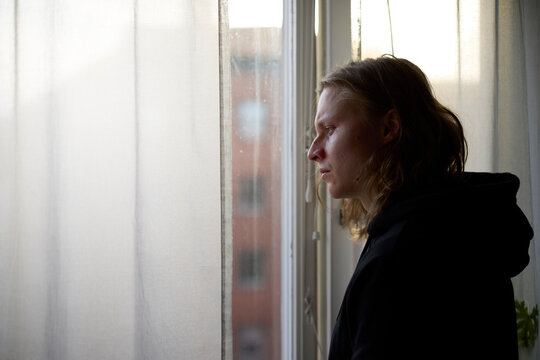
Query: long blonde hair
x=431, y=145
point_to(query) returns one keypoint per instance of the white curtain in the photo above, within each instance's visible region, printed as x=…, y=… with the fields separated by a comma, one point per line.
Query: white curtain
x=482, y=57
x=110, y=220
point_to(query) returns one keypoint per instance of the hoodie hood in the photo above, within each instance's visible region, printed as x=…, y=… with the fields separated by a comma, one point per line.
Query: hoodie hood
x=478, y=216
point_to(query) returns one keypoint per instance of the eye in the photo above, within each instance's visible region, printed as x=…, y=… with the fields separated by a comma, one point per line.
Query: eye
x=330, y=130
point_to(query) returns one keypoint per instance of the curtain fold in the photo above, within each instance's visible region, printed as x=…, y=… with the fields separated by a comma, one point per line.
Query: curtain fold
x=110, y=219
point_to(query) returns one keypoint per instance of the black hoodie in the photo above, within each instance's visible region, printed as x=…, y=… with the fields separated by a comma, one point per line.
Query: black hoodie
x=433, y=280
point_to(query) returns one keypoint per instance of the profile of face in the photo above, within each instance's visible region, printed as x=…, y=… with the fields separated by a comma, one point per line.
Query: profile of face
x=346, y=139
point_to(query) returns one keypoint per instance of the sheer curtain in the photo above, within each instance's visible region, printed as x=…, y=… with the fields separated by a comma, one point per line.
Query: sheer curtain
x=482, y=58
x=110, y=219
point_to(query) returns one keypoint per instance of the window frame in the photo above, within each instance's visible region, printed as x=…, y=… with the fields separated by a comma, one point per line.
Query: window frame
x=298, y=262
x=314, y=275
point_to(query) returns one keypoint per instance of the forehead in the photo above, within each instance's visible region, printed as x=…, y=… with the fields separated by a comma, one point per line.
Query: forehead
x=330, y=96
x=331, y=104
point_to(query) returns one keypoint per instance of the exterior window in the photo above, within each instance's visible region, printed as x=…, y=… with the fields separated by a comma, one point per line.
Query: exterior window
x=251, y=269
x=251, y=343
x=252, y=197
x=251, y=119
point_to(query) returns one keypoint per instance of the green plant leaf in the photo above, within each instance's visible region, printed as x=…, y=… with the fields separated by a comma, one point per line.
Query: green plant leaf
x=527, y=324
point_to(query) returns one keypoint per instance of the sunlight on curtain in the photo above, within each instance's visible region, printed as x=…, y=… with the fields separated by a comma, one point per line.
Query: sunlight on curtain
x=110, y=183
x=473, y=52
x=448, y=43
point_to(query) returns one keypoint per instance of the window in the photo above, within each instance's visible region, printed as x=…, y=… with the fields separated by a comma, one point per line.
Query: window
x=251, y=269
x=252, y=343
x=251, y=197
x=251, y=119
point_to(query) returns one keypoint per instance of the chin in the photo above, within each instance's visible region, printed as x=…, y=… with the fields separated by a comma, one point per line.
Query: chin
x=336, y=193
x=341, y=193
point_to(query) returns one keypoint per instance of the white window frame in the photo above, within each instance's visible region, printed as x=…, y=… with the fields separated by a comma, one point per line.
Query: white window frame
x=297, y=82
x=301, y=258
x=312, y=276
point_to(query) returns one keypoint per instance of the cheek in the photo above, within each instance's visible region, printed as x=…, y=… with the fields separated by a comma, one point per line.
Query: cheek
x=357, y=159
x=352, y=152
x=367, y=145
x=343, y=147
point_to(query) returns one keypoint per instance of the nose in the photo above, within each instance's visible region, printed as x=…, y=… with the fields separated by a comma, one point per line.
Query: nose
x=315, y=152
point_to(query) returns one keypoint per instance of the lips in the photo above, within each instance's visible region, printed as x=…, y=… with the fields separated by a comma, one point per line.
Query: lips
x=324, y=172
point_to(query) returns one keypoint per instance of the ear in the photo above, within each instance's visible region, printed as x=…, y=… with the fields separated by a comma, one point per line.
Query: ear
x=391, y=123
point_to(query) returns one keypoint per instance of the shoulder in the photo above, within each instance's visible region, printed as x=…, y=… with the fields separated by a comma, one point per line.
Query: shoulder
x=386, y=246
x=381, y=295
x=412, y=253
x=378, y=268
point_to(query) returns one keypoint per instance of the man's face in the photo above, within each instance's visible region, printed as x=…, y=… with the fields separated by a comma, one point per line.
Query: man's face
x=345, y=141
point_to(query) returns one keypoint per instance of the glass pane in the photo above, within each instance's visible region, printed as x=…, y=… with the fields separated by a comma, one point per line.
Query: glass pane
x=255, y=50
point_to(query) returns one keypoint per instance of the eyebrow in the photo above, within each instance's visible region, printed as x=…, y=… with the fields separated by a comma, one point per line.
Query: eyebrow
x=321, y=121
